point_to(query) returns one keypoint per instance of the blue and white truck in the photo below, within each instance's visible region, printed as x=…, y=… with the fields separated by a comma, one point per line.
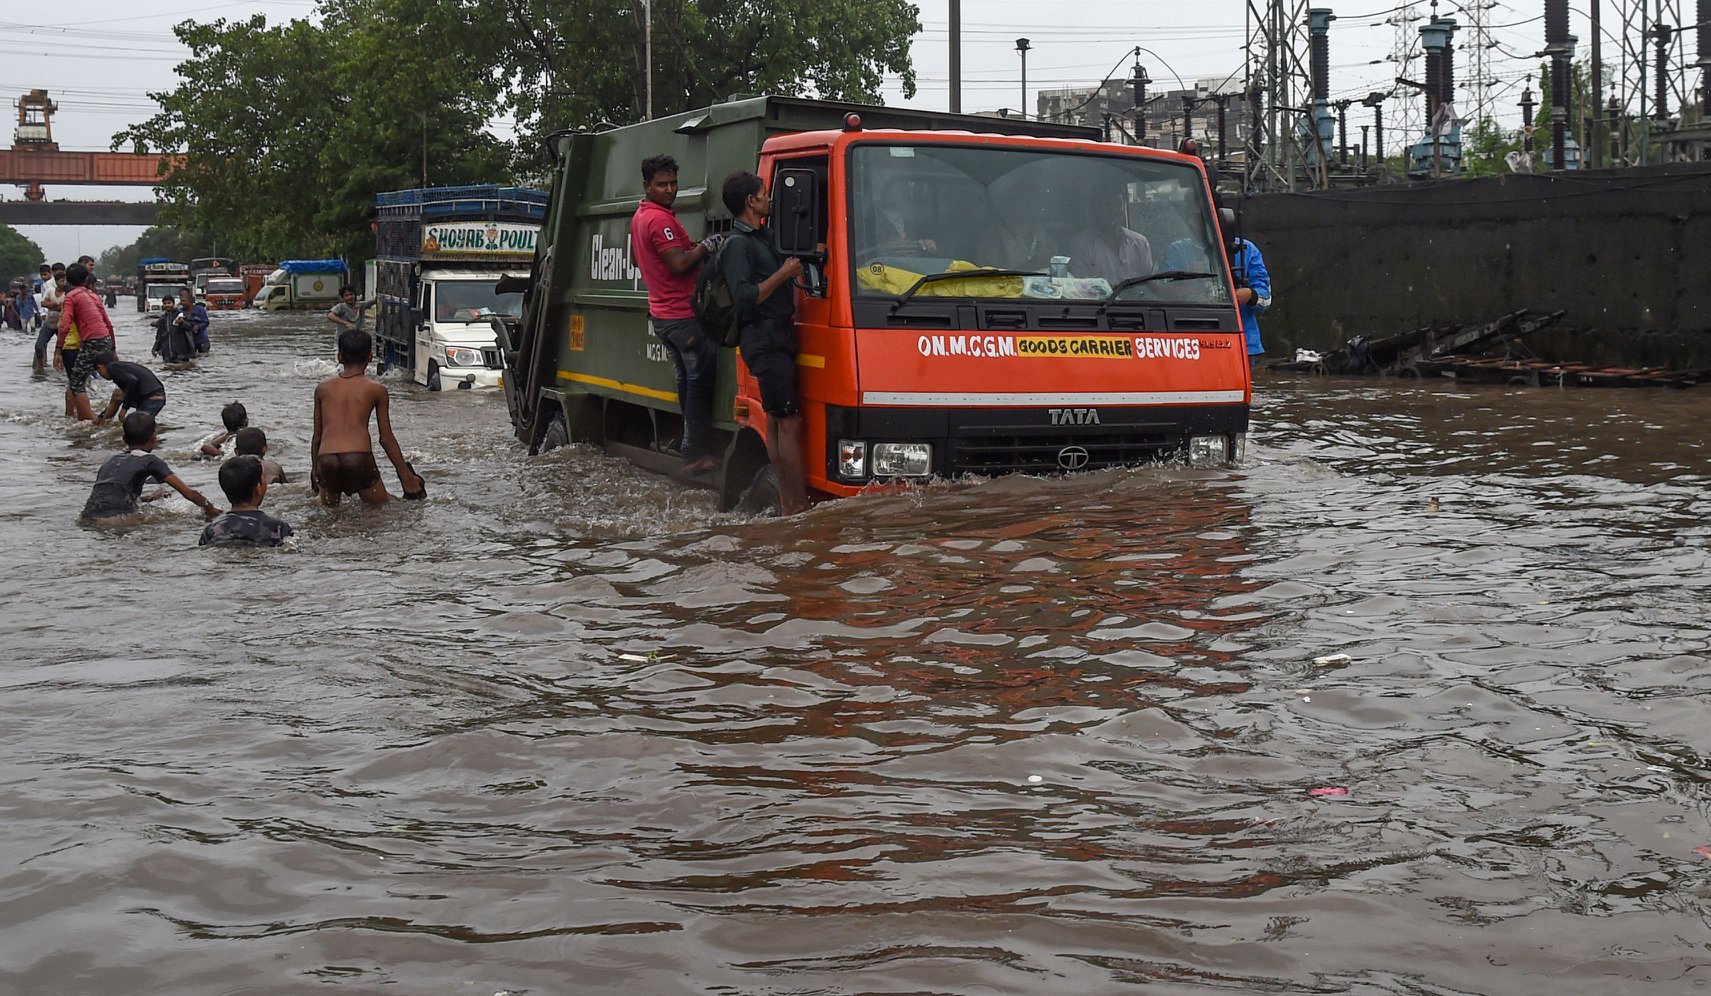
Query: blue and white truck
x=441, y=250
x=302, y=283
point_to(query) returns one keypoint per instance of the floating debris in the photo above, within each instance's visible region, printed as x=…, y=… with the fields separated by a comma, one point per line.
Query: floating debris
x=1493, y=353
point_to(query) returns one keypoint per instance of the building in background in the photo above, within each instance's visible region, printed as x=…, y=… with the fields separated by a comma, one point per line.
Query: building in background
x=1113, y=103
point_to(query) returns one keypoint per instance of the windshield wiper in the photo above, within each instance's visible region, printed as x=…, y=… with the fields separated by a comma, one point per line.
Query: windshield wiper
x=1149, y=278
x=952, y=274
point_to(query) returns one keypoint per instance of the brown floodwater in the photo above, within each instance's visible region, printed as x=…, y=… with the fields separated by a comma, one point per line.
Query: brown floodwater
x=563, y=728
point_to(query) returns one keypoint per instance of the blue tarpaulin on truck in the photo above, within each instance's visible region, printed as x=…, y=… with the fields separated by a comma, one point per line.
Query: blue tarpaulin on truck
x=313, y=266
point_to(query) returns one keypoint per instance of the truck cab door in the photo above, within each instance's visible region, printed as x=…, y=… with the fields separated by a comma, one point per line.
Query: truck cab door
x=424, y=332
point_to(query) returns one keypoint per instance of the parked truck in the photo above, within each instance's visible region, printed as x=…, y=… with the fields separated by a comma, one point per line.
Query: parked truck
x=302, y=283
x=158, y=277
x=213, y=264
x=254, y=275
x=221, y=292
x=981, y=296
x=441, y=251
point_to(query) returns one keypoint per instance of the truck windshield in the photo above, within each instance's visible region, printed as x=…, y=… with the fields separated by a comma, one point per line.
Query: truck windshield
x=1087, y=224
x=473, y=301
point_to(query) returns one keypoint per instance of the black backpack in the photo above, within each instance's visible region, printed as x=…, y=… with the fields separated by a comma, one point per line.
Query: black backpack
x=714, y=306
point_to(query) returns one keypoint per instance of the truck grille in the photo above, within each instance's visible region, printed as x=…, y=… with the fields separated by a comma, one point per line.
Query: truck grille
x=1056, y=454
x=490, y=357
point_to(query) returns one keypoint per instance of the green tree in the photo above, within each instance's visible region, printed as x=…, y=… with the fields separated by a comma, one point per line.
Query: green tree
x=582, y=62
x=288, y=131
x=1485, y=146
x=156, y=241
x=19, y=256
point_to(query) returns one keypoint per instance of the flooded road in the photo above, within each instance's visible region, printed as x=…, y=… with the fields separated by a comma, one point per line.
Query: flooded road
x=564, y=729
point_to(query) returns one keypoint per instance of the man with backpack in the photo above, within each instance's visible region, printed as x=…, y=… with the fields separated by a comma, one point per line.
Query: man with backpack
x=763, y=286
x=669, y=262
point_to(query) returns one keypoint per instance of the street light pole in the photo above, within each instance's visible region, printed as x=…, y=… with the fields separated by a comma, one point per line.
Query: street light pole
x=1140, y=81
x=956, y=56
x=1022, y=46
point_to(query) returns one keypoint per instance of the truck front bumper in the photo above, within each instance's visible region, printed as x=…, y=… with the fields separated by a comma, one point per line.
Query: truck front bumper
x=454, y=378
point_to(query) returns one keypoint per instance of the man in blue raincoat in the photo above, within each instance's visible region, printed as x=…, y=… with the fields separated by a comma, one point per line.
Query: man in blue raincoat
x=1253, y=288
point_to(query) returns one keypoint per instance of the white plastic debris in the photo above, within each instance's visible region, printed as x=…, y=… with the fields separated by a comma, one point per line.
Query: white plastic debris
x=1333, y=660
x=1308, y=356
x=638, y=658
x=1035, y=779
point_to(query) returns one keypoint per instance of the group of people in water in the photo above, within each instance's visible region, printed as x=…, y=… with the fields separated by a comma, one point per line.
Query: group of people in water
x=341, y=451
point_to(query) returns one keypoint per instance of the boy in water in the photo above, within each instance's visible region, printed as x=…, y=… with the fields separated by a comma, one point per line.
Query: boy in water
x=174, y=341
x=253, y=442
x=85, y=313
x=135, y=387
x=341, y=455
x=234, y=417
x=242, y=480
x=119, y=484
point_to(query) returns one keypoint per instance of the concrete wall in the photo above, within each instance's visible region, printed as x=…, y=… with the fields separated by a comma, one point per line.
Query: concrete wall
x=1627, y=254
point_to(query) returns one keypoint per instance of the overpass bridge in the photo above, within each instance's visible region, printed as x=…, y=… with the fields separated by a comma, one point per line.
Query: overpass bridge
x=36, y=159
x=15, y=213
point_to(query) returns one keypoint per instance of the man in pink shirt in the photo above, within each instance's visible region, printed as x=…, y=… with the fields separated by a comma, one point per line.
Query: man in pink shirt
x=669, y=261
x=83, y=308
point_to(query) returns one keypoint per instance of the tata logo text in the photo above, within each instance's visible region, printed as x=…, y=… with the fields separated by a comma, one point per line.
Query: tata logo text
x=1074, y=416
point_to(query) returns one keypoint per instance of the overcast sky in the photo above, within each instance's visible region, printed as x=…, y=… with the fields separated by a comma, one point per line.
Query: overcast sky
x=101, y=74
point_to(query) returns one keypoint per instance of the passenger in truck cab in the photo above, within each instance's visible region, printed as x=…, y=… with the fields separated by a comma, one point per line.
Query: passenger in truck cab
x=670, y=262
x=762, y=285
x=1099, y=242
x=900, y=222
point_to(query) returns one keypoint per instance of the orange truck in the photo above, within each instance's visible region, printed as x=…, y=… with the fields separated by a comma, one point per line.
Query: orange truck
x=254, y=275
x=981, y=296
x=221, y=292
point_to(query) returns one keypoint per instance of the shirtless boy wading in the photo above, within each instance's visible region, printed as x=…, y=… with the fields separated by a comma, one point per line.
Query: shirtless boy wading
x=340, y=451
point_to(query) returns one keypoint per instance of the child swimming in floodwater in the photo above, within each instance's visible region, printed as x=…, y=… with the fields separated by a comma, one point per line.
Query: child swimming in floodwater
x=253, y=442
x=245, y=485
x=341, y=455
x=119, y=484
x=234, y=417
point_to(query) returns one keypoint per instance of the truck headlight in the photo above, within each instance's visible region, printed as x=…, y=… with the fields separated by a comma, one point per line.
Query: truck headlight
x=852, y=458
x=902, y=459
x=458, y=357
x=1208, y=451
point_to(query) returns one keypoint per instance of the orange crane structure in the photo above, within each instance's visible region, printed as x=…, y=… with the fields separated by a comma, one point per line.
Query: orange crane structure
x=36, y=159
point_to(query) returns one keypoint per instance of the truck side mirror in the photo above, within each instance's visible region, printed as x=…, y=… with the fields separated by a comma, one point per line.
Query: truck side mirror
x=795, y=217
x=1227, y=221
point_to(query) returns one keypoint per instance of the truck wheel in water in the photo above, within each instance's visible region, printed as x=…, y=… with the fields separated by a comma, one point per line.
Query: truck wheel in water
x=761, y=496
x=433, y=376
x=556, y=435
